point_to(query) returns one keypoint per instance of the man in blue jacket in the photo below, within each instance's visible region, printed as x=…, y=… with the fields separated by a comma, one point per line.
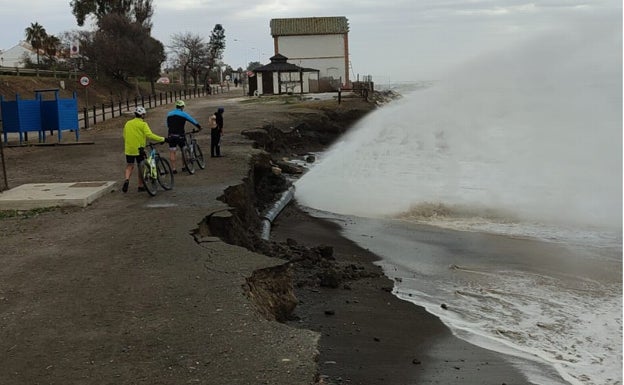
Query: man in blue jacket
x=175, y=130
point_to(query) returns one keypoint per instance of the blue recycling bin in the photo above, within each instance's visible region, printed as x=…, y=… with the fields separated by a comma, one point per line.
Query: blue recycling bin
x=21, y=116
x=58, y=114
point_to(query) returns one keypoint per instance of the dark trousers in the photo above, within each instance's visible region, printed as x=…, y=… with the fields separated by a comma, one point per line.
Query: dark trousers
x=215, y=138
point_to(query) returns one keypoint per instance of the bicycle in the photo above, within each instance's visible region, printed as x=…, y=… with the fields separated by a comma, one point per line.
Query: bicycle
x=154, y=170
x=192, y=153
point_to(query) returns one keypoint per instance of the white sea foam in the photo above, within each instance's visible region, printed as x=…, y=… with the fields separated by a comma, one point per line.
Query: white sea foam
x=502, y=297
x=525, y=143
x=575, y=329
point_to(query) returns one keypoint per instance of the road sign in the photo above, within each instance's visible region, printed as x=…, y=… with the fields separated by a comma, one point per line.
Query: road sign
x=84, y=80
x=75, y=49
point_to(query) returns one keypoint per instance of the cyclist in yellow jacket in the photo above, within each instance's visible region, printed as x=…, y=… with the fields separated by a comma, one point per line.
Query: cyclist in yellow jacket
x=135, y=134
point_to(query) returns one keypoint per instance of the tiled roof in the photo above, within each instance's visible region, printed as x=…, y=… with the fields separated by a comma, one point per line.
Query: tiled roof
x=279, y=64
x=309, y=26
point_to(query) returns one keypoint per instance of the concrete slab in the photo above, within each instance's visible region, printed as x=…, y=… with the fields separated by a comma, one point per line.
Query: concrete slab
x=39, y=195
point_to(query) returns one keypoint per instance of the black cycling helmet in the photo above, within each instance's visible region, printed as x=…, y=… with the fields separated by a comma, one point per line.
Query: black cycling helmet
x=220, y=109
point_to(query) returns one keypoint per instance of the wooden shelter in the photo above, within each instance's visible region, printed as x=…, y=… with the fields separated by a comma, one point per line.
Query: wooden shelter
x=280, y=77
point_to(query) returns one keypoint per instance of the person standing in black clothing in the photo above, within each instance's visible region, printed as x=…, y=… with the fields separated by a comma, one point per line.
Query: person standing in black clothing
x=216, y=130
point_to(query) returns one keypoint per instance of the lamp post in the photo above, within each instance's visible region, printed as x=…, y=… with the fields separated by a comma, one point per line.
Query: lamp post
x=244, y=44
x=248, y=47
x=259, y=54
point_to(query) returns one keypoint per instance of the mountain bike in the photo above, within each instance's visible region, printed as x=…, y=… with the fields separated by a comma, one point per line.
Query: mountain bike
x=192, y=153
x=154, y=170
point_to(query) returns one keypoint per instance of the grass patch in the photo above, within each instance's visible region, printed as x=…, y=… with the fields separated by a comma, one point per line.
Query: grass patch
x=25, y=214
x=278, y=99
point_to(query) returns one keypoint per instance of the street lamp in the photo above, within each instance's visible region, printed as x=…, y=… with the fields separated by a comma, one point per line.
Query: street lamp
x=247, y=50
x=259, y=54
x=243, y=43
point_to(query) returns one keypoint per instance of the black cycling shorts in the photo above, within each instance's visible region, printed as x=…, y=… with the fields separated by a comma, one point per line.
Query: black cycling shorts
x=130, y=159
x=175, y=141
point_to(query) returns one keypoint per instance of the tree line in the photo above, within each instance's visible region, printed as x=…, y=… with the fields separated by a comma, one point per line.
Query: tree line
x=121, y=46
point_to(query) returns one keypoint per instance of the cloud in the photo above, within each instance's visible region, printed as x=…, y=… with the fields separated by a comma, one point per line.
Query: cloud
x=180, y=5
x=394, y=39
x=497, y=11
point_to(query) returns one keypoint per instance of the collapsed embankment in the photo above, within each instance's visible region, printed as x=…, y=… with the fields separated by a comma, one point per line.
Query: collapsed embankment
x=272, y=289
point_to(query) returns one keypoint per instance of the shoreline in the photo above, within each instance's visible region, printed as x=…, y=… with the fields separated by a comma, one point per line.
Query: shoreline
x=180, y=309
x=369, y=335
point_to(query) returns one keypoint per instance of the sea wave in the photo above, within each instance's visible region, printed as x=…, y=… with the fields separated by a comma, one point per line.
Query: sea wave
x=503, y=222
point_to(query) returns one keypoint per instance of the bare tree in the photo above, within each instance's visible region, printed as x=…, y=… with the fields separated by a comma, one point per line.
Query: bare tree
x=191, y=52
x=85, y=39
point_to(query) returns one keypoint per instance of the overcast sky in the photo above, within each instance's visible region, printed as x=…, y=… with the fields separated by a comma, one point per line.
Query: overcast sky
x=392, y=40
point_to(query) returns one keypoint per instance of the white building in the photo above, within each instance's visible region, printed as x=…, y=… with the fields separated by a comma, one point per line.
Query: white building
x=316, y=42
x=14, y=56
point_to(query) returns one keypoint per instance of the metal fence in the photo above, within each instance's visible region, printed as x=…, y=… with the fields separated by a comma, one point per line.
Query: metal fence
x=16, y=71
x=90, y=116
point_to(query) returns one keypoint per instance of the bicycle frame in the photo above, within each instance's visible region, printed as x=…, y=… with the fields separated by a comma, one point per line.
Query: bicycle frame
x=192, y=153
x=151, y=161
x=150, y=158
x=154, y=170
x=191, y=142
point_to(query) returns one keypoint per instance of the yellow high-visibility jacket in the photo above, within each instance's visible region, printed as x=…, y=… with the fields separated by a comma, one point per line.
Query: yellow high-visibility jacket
x=135, y=134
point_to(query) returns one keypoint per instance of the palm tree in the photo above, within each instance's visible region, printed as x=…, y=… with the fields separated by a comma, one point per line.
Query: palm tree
x=51, y=46
x=36, y=34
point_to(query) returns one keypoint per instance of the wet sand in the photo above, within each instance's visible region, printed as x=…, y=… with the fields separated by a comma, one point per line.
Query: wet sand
x=368, y=336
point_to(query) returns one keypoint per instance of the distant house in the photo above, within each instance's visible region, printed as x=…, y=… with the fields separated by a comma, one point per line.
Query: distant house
x=281, y=77
x=316, y=42
x=14, y=56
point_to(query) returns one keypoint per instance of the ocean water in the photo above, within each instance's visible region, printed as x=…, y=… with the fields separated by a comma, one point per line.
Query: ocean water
x=497, y=191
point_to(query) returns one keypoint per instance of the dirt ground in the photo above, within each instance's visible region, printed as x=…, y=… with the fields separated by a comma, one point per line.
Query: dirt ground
x=121, y=292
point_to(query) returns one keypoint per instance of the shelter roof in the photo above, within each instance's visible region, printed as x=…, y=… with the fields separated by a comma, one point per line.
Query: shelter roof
x=279, y=63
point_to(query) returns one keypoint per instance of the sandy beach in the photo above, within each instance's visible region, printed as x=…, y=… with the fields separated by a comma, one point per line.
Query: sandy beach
x=124, y=292
x=368, y=336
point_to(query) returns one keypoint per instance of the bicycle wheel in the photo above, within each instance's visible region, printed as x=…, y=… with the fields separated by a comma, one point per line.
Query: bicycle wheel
x=165, y=175
x=199, y=156
x=187, y=158
x=149, y=182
